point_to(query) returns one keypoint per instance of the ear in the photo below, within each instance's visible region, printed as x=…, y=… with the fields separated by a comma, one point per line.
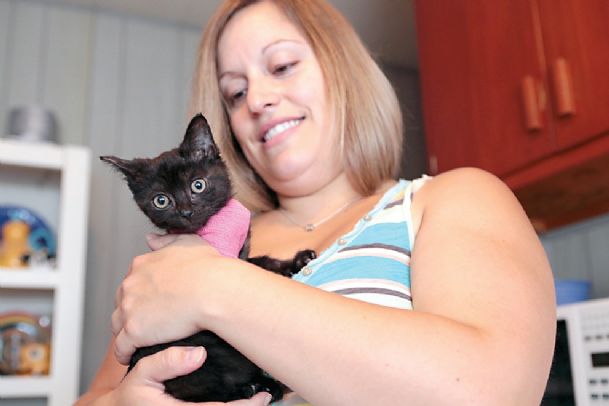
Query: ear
x=123, y=165
x=198, y=141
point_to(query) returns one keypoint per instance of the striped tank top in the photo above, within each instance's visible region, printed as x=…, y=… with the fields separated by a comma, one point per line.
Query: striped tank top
x=372, y=261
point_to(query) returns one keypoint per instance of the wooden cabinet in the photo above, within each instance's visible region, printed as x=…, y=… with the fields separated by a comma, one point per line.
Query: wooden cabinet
x=575, y=37
x=521, y=88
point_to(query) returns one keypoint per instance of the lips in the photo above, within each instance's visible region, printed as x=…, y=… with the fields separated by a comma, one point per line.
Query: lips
x=273, y=129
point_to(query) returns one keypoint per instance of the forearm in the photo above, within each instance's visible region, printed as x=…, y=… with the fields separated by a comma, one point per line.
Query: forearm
x=108, y=377
x=334, y=350
x=94, y=397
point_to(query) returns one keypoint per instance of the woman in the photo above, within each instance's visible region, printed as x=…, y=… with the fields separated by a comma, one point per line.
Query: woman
x=310, y=129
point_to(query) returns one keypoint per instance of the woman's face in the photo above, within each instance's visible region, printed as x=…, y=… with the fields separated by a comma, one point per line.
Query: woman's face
x=275, y=95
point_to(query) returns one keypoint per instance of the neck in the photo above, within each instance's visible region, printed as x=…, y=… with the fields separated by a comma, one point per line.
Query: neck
x=321, y=203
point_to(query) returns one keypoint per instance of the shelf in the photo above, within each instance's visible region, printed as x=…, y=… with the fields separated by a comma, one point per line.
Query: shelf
x=54, y=181
x=47, y=156
x=24, y=278
x=24, y=386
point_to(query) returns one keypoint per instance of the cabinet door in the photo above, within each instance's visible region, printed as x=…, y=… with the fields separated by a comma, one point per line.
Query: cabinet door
x=474, y=57
x=576, y=42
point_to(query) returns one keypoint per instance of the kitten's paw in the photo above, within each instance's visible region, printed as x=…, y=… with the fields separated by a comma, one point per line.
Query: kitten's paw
x=268, y=385
x=302, y=258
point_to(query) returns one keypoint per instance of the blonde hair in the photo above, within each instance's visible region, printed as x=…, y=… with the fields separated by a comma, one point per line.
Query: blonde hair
x=366, y=110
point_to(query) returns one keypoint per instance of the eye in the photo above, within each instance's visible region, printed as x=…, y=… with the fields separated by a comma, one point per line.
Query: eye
x=198, y=185
x=234, y=91
x=161, y=201
x=235, y=97
x=284, y=68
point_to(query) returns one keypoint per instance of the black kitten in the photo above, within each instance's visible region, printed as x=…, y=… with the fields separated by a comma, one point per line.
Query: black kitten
x=179, y=191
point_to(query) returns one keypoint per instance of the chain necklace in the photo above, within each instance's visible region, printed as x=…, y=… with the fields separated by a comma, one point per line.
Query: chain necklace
x=312, y=226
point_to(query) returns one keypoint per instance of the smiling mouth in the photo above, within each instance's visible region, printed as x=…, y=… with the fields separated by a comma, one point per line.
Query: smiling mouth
x=280, y=128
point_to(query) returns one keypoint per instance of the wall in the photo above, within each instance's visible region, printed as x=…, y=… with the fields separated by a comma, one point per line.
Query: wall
x=29, y=73
x=118, y=84
x=138, y=90
x=581, y=251
x=406, y=85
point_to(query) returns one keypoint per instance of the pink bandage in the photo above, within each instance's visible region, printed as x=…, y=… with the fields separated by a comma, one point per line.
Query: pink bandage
x=226, y=230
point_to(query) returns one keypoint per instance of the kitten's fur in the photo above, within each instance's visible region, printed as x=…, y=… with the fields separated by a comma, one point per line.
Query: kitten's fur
x=226, y=374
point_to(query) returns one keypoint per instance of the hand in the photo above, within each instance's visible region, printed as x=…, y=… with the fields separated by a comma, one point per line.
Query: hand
x=157, y=241
x=157, y=301
x=144, y=384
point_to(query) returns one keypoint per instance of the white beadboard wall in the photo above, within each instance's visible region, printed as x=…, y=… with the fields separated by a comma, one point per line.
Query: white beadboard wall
x=119, y=84
x=581, y=251
x=138, y=92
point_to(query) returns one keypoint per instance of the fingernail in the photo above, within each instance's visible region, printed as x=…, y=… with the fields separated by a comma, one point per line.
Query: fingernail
x=267, y=399
x=194, y=354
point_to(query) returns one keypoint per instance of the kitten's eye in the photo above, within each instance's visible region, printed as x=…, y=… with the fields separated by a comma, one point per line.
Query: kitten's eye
x=161, y=201
x=198, y=185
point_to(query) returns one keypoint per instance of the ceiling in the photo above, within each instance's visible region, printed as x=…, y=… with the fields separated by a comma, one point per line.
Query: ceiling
x=386, y=26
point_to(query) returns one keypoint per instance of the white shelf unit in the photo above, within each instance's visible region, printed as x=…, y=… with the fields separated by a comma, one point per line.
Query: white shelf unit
x=53, y=181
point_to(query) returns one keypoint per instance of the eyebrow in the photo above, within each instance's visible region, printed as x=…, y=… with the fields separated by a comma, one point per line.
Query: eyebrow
x=279, y=41
x=264, y=50
x=227, y=73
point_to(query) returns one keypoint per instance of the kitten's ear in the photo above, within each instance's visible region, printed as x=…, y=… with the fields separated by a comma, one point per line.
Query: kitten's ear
x=198, y=141
x=123, y=165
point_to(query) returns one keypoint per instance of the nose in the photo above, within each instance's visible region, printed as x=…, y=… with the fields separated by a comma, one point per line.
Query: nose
x=186, y=213
x=262, y=95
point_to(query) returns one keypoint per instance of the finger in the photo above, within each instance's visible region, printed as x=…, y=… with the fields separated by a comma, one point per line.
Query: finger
x=118, y=296
x=169, y=363
x=191, y=239
x=260, y=399
x=117, y=321
x=158, y=241
x=123, y=347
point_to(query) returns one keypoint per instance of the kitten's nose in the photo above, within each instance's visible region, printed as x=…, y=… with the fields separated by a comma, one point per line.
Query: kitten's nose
x=186, y=213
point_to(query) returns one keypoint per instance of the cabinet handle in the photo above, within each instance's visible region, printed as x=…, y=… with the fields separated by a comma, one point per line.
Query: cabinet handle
x=563, y=88
x=530, y=103
x=433, y=165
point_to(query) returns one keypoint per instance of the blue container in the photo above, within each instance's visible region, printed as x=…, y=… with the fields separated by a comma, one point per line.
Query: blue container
x=571, y=291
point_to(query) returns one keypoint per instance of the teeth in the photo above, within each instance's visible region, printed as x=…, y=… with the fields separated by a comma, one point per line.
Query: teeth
x=279, y=128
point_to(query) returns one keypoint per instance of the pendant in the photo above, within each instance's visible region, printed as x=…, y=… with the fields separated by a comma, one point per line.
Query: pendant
x=309, y=227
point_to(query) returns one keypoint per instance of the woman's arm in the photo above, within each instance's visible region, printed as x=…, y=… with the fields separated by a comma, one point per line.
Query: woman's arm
x=108, y=377
x=482, y=332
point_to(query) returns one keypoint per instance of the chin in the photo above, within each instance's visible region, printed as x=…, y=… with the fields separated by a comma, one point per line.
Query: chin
x=190, y=229
x=290, y=170
x=298, y=186
x=300, y=176
x=179, y=228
